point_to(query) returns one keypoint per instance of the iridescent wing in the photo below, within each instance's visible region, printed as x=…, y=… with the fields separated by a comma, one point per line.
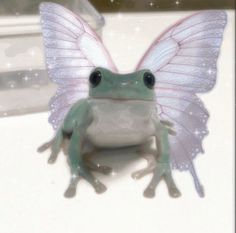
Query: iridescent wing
x=184, y=60
x=72, y=51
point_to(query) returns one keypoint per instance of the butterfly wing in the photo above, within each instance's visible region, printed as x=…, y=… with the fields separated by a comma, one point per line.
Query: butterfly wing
x=184, y=61
x=72, y=51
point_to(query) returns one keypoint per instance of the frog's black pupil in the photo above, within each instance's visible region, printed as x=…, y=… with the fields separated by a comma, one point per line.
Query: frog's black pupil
x=149, y=80
x=95, y=78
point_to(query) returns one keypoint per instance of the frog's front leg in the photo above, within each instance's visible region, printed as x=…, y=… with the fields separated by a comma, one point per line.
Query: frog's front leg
x=77, y=164
x=162, y=168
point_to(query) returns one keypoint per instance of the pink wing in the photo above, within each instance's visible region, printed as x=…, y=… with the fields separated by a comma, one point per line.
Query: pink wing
x=184, y=60
x=72, y=50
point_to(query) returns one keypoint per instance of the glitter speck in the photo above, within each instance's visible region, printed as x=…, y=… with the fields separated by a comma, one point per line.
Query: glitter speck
x=151, y=4
x=177, y=2
x=9, y=65
x=196, y=132
x=12, y=84
x=32, y=53
x=26, y=78
x=137, y=29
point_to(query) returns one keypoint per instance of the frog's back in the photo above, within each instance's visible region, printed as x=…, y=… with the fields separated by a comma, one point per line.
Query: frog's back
x=119, y=123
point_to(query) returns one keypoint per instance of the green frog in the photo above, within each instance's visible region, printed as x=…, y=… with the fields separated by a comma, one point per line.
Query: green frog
x=119, y=112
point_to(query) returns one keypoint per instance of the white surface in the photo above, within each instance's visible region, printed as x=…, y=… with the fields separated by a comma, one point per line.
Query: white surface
x=32, y=191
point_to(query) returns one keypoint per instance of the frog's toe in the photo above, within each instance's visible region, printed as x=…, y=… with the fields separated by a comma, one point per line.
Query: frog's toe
x=45, y=146
x=141, y=173
x=100, y=187
x=136, y=175
x=149, y=192
x=174, y=192
x=52, y=159
x=71, y=190
x=105, y=170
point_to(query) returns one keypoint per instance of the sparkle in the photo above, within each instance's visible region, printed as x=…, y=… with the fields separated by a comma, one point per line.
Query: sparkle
x=12, y=84
x=177, y=2
x=36, y=74
x=32, y=53
x=111, y=1
x=26, y=78
x=137, y=29
x=209, y=71
x=9, y=65
x=196, y=132
x=113, y=173
x=151, y=4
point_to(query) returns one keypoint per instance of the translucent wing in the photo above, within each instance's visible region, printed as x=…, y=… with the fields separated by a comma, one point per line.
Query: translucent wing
x=184, y=60
x=72, y=50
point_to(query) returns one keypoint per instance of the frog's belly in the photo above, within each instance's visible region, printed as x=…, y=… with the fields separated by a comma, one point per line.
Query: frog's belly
x=119, y=125
x=119, y=136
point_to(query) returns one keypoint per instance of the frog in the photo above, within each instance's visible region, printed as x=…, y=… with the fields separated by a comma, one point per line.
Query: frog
x=96, y=106
x=119, y=112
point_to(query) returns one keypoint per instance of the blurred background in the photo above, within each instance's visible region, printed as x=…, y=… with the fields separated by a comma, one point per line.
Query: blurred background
x=24, y=84
x=31, y=6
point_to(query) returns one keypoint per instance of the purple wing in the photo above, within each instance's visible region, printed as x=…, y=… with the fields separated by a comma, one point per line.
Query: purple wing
x=72, y=50
x=184, y=60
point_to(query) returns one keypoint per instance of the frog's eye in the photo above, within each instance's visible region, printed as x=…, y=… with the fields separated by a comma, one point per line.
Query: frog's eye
x=95, y=78
x=149, y=80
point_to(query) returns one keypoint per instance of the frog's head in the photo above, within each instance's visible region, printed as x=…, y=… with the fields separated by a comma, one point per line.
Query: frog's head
x=138, y=85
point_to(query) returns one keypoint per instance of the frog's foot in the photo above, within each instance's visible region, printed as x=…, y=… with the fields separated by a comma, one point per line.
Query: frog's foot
x=162, y=170
x=98, y=168
x=172, y=188
x=52, y=158
x=82, y=172
x=151, y=164
x=71, y=190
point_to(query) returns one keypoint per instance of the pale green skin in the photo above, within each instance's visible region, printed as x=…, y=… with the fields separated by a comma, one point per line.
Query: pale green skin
x=119, y=112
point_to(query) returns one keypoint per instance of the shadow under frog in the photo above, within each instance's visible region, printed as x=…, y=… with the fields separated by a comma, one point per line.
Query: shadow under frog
x=120, y=113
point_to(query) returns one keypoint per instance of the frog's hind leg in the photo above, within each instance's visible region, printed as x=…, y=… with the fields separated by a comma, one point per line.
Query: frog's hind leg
x=55, y=144
x=151, y=164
